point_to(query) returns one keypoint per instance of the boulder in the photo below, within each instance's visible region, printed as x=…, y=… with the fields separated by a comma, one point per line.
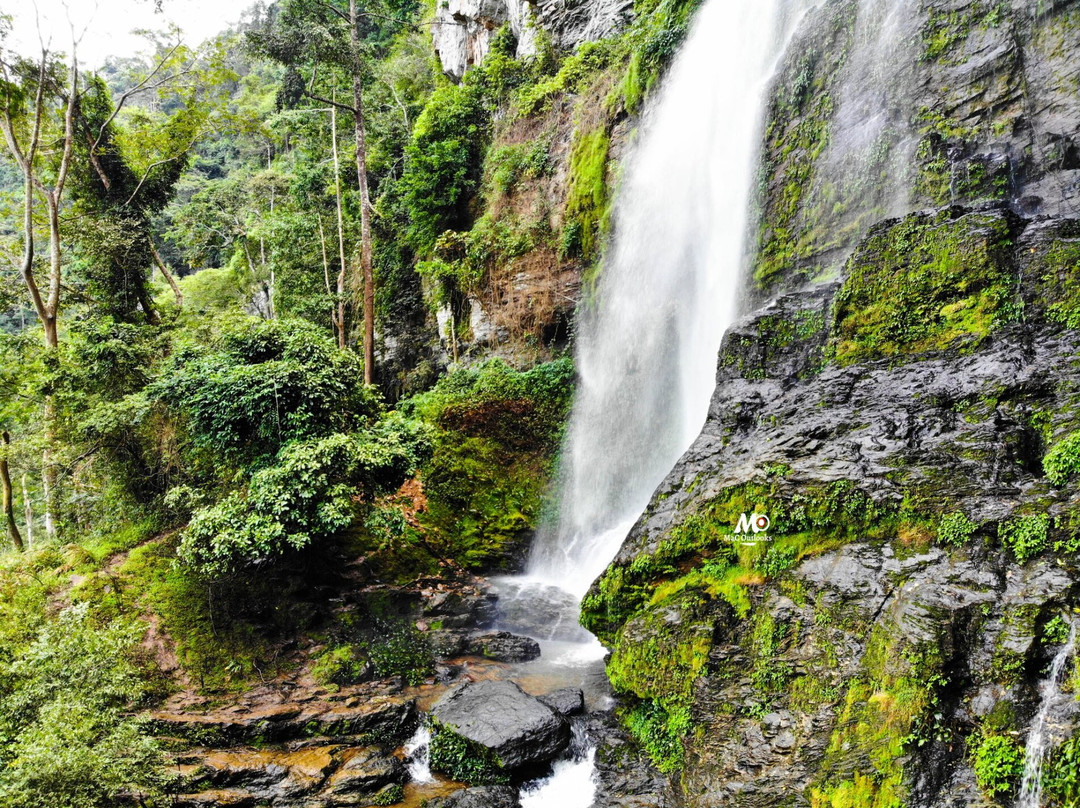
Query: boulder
x=565, y=700
x=502, y=646
x=480, y=797
x=518, y=729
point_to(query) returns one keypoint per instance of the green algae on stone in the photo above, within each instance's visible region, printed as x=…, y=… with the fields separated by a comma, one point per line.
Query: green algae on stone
x=927, y=282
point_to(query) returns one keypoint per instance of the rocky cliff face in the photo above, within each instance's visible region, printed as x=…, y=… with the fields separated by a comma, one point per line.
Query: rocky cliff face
x=900, y=399
x=463, y=28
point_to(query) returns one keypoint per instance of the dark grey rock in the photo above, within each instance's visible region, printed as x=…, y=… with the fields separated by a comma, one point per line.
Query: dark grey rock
x=565, y=701
x=519, y=729
x=479, y=797
x=502, y=646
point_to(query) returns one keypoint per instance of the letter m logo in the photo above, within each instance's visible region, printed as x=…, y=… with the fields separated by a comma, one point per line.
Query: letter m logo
x=744, y=524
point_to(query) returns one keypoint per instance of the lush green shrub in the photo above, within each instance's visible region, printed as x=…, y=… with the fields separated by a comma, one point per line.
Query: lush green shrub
x=1061, y=777
x=308, y=494
x=659, y=735
x=955, y=529
x=264, y=384
x=462, y=759
x=65, y=702
x=1025, y=536
x=1056, y=631
x=443, y=161
x=1063, y=460
x=998, y=761
x=390, y=795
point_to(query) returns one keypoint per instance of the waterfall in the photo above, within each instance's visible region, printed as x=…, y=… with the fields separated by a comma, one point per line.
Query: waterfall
x=570, y=784
x=418, y=756
x=646, y=352
x=1039, y=741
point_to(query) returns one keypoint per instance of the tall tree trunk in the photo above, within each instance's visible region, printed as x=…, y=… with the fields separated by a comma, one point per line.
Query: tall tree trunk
x=365, y=200
x=326, y=278
x=340, y=229
x=8, y=498
x=28, y=513
x=167, y=275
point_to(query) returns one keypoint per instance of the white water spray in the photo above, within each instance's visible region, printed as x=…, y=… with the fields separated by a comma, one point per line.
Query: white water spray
x=418, y=757
x=1039, y=739
x=647, y=353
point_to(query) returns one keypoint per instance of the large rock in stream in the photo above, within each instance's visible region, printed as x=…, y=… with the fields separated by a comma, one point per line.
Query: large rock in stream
x=517, y=729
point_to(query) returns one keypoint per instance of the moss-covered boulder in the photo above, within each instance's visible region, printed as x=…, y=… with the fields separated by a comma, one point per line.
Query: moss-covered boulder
x=484, y=730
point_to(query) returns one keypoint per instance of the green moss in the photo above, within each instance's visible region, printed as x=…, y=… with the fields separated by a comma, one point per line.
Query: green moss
x=703, y=553
x=660, y=652
x=928, y=282
x=219, y=649
x=888, y=709
x=586, y=213
x=1058, y=287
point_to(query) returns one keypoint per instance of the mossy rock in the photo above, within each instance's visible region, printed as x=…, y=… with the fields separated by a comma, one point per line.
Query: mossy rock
x=927, y=282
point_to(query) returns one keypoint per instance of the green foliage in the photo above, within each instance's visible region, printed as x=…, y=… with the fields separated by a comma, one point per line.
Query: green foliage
x=1061, y=777
x=574, y=74
x=263, y=385
x=1063, y=460
x=1056, y=631
x=1025, y=536
x=998, y=761
x=305, y=496
x=443, y=162
x=462, y=759
x=68, y=738
x=924, y=283
x=955, y=529
x=341, y=665
x=659, y=733
x=389, y=795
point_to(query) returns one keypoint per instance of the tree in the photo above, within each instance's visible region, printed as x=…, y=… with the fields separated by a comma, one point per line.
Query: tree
x=330, y=34
x=8, y=498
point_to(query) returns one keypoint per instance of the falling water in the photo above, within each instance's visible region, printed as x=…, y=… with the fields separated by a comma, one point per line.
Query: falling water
x=1039, y=739
x=418, y=756
x=647, y=351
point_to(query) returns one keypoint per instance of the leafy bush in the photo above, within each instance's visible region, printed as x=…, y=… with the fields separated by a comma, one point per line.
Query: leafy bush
x=308, y=494
x=1025, y=536
x=998, y=761
x=442, y=162
x=65, y=703
x=1063, y=460
x=462, y=759
x=659, y=736
x=1056, y=631
x=1061, y=778
x=264, y=384
x=955, y=529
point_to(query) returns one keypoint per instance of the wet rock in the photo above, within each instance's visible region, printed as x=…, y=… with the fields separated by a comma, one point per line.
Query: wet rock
x=382, y=717
x=365, y=770
x=502, y=646
x=565, y=701
x=480, y=797
x=520, y=730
